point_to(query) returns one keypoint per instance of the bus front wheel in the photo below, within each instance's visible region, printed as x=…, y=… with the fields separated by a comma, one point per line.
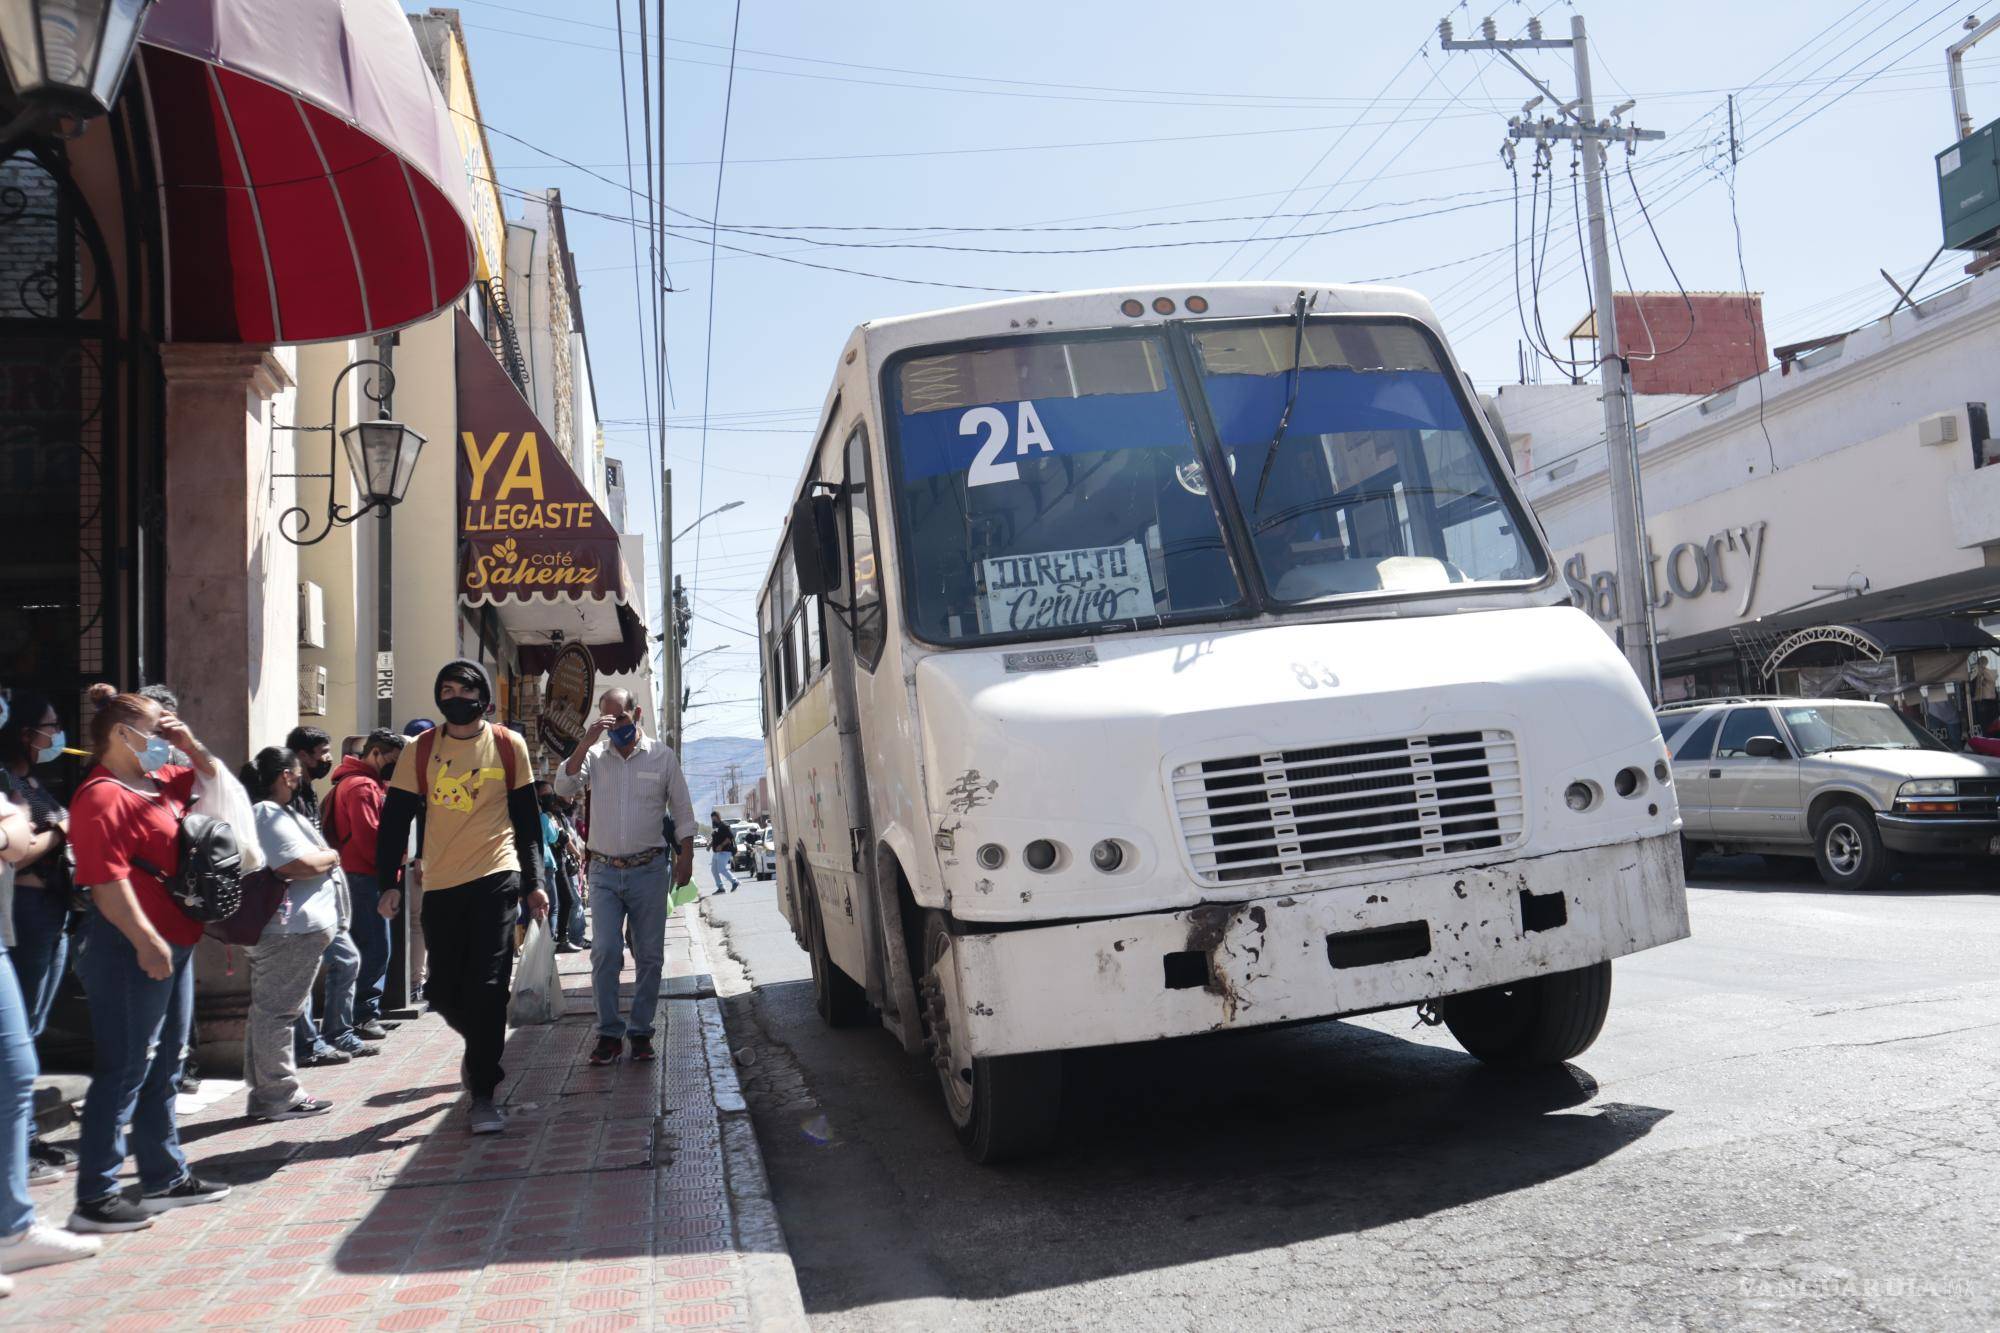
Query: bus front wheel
x=1532, y=1023
x=1002, y=1106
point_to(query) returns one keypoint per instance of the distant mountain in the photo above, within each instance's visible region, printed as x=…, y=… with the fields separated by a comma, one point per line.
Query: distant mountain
x=707, y=761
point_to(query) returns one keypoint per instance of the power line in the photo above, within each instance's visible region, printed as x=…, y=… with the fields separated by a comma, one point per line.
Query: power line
x=654, y=446
x=708, y=350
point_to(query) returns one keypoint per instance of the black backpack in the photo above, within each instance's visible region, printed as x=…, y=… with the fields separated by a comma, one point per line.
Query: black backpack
x=209, y=884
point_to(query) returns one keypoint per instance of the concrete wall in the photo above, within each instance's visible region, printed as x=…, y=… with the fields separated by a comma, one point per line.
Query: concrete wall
x=425, y=575
x=344, y=563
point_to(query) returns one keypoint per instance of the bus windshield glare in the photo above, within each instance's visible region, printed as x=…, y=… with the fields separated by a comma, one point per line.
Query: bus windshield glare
x=1052, y=487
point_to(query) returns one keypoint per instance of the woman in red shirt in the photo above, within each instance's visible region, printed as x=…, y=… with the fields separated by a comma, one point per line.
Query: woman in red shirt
x=138, y=959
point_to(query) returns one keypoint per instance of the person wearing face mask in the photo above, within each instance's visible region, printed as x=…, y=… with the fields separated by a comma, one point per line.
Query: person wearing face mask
x=285, y=957
x=39, y=919
x=137, y=961
x=481, y=846
x=641, y=821
x=351, y=816
x=315, y=751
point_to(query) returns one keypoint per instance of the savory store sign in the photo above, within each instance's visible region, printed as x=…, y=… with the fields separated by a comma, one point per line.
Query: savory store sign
x=526, y=523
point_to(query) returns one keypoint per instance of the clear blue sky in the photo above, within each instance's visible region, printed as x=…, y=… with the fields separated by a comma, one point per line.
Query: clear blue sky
x=916, y=117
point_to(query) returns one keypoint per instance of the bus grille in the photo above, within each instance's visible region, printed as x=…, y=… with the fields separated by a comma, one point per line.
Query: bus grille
x=1296, y=812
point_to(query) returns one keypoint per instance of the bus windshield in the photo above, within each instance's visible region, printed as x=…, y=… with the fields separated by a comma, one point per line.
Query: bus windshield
x=1052, y=488
x=1379, y=483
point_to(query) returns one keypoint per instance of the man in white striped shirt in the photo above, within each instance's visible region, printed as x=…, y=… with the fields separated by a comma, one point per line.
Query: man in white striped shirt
x=639, y=809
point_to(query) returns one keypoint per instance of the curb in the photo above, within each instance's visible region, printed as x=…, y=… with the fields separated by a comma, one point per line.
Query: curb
x=771, y=1284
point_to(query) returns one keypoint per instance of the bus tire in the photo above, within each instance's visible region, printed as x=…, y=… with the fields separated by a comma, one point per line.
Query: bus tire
x=839, y=998
x=1533, y=1023
x=1001, y=1106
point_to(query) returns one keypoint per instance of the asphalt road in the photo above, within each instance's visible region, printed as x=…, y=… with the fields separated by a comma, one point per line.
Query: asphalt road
x=1789, y=1123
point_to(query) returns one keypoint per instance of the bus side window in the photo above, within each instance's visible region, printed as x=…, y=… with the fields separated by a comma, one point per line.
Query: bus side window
x=781, y=617
x=865, y=577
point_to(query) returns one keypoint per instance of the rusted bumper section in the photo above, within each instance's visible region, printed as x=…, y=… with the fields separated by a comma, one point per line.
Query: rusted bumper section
x=1309, y=954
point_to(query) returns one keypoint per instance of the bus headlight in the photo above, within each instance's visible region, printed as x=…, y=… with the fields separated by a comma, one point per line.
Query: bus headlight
x=1107, y=855
x=991, y=856
x=1580, y=795
x=1040, y=854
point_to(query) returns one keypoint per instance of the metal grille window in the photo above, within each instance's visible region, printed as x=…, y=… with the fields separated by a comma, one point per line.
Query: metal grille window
x=1295, y=812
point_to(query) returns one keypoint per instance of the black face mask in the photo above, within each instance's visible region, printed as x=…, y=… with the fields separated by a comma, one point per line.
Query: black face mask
x=320, y=770
x=461, y=711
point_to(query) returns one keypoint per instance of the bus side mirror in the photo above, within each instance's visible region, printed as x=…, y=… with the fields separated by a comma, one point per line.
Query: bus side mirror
x=815, y=545
x=1766, y=747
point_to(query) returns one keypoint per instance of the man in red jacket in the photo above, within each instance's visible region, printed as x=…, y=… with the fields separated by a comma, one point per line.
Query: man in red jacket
x=350, y=817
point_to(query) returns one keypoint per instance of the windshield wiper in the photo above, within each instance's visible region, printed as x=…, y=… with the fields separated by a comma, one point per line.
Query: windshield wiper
x=1299, y=307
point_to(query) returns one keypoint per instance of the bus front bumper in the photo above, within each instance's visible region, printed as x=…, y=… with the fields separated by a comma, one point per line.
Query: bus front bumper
x=1317, y=953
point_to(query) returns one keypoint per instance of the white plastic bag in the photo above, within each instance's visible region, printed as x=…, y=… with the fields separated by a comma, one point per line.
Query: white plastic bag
x=222, y=797
x=537, y=996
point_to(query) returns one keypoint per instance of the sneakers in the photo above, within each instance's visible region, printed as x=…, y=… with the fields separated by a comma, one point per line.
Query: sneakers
x=41, y=1173
x=41, y=1245
x=371, y=1031
x=567, y=947
x=322, y=1055
x=642, y=1047
x=486, y=1118
x=188, y=1191
x=113, y=1213
x=301, y=1109
x=41, y=1150
x=608, y=1049
x=350, y=1044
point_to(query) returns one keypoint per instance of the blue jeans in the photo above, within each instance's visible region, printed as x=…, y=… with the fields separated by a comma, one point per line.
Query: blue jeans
x=343, y=965
x=17, y=1102
x=370, y=931
x=637, y=896
x=41, y=949
x=718, y=865
x=140, y=1028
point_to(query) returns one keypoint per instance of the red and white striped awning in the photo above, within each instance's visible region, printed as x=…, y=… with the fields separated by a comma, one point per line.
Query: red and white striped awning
x=310, y=182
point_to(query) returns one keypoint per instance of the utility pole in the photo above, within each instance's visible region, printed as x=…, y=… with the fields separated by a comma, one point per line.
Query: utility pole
x=1577, y=123
x=668, y=716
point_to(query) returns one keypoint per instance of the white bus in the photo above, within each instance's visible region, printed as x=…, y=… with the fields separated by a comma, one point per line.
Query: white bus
x=1149, y=662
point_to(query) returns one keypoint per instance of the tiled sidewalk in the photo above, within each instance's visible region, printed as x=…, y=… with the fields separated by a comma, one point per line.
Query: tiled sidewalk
x=620, y=1198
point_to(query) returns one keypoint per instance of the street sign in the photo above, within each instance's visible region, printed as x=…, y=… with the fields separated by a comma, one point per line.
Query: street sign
x=385, y=676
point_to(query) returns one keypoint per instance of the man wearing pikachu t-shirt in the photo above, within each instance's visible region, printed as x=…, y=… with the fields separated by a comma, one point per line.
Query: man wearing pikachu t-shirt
x=472, y=789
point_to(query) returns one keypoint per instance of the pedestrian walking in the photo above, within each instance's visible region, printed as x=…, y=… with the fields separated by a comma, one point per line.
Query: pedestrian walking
x=32, y=736
x=481, y=848
x=721, y=851
x=284, y=958
x=25, y=1241
x=572, y=933
x=137, y=961
x=351, y=816
x=641, y=825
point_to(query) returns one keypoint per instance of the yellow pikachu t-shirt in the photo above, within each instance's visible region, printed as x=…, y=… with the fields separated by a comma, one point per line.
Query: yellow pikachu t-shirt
x=467, y=833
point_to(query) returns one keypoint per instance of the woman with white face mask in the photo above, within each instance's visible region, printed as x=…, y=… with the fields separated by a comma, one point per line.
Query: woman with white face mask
x=137, y=961
x=38, y=941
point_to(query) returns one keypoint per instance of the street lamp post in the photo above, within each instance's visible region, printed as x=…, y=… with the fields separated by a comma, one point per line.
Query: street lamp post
x=670, y=713
x=64, y=58
x=719, y=509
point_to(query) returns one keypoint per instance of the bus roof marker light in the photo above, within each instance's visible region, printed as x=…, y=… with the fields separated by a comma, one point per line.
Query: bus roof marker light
x=1196, y=305
x=1163, y=305
x=1132, y=309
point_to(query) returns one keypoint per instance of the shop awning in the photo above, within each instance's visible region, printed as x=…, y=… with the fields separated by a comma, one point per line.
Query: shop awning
x=532, y=542
x=310, y=182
